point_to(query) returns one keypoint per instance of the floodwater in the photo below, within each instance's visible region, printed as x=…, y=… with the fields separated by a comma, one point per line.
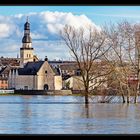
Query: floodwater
x=66, y=115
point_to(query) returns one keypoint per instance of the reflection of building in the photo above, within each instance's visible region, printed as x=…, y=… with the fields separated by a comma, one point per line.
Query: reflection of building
x=33, y=74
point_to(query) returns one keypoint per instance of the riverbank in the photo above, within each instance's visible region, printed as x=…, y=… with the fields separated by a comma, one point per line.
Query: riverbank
x=57, y=92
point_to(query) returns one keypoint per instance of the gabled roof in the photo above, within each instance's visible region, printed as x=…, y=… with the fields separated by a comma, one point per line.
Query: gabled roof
x=5, y=70
x=72, y=66
x=56, y=70
x=31, y=68
x=9, y=61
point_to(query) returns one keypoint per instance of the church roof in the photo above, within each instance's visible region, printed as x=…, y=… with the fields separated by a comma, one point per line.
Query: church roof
x=31, y=68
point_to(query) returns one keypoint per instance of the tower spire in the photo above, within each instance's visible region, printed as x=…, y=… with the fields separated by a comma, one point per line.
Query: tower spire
x=26, y=38
x=27, y=19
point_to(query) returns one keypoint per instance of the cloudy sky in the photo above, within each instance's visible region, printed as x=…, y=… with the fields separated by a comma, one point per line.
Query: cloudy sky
x=46, y=21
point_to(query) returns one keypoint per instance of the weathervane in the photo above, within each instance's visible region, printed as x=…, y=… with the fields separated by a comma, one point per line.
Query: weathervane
x=27, y=18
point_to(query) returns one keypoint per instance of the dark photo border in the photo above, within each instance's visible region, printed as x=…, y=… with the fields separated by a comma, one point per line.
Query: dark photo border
x=67, y=3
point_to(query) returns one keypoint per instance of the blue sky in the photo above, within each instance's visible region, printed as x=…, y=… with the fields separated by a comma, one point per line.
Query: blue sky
x=46, y=20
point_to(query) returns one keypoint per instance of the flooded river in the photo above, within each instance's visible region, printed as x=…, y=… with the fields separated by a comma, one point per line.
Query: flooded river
x=66, y=115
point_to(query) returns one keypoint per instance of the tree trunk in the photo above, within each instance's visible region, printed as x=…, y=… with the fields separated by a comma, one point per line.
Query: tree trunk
x=128, y=95
x=136, y=92
x=123, y=98
x=122, y=93
x=86, y=96
x=128, y=99
x=135, y=98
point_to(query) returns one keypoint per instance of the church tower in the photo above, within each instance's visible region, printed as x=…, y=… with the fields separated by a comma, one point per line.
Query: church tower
x=26, y=52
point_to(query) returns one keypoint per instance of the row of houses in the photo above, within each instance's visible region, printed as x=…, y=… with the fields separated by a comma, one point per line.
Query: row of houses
x=39, y=75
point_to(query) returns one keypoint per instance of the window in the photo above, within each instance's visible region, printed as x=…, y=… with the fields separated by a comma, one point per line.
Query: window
x=78, y=72
x=45, y=71
x=27, y=55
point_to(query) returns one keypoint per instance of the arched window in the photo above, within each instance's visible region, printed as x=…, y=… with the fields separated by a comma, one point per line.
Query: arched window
x=46, y=87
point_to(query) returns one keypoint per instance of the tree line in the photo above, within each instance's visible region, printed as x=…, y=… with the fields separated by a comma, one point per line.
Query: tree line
x=111, y=54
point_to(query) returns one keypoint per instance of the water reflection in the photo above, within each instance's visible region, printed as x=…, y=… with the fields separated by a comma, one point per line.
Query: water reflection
x=26, y=114
x=29, y=117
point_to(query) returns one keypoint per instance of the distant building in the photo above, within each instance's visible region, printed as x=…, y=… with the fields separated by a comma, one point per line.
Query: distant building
x=33, y=74
x=5, y=66
x=72, y=79
x=9, y=62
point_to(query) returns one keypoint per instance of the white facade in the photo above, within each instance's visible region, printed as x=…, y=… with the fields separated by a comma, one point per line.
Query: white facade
x=76, y=83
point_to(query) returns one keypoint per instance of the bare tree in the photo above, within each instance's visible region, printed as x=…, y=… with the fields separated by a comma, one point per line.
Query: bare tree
x=124, y=46
x=87, y=48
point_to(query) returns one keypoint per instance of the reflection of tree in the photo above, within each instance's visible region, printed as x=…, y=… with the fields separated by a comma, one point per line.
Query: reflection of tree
x=87, y=111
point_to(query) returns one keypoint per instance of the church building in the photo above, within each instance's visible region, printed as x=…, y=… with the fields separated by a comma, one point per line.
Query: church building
x=33, y=74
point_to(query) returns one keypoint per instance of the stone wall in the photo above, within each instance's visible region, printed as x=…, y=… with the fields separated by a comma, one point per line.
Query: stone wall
x=45, y=76
x=43, y=92
x=25, y=80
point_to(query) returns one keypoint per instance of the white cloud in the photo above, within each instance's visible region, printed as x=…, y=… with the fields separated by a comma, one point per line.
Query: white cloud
x=4, y=30
x=18, y=16
x=55, y=21
x=44, y=27
x=36, y=35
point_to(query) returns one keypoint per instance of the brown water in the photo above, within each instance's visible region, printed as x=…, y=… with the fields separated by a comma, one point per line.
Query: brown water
x=66, y=115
